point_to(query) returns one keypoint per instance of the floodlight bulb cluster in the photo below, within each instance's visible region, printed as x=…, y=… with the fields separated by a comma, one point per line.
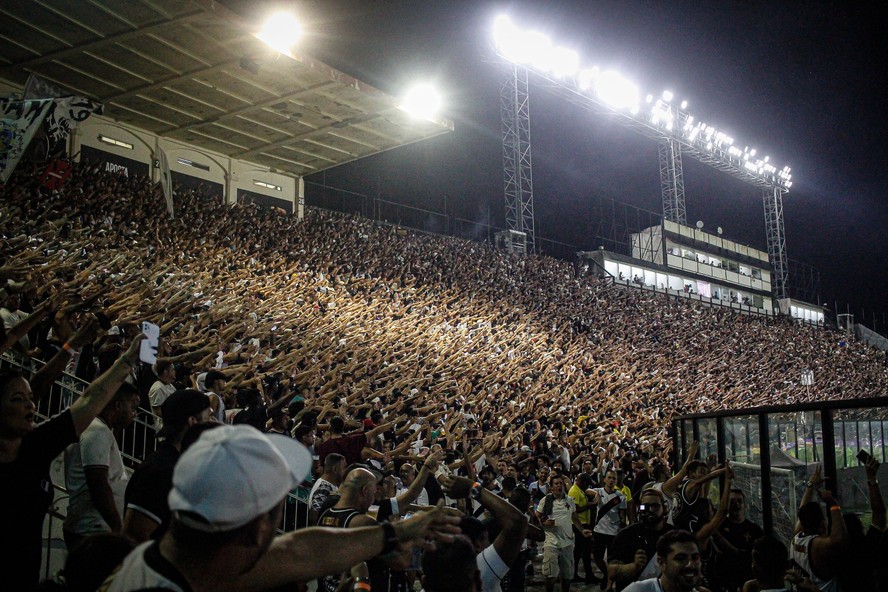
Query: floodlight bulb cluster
x=535, y=51
x=422, y=101
x=662, y=115
x=280, y=32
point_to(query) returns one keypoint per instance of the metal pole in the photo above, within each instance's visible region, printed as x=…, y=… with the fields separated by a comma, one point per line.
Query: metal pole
x=765, y=453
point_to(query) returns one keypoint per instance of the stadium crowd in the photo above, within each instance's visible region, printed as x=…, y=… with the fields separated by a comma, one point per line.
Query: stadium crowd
x=400, y=359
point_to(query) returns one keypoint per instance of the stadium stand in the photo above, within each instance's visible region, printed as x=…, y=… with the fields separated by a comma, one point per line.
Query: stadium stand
x=516, y=359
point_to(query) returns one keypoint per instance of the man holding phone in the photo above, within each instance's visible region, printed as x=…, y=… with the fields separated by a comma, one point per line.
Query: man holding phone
x=633, y=554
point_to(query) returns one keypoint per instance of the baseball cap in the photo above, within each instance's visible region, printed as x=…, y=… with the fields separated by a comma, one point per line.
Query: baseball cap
x=232, y=475
x=178, y=407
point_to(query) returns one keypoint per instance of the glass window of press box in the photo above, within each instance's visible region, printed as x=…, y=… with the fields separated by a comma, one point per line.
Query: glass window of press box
x=774, y=451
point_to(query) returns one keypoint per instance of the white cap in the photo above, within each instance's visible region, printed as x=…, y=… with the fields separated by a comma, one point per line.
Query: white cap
x=234, y=474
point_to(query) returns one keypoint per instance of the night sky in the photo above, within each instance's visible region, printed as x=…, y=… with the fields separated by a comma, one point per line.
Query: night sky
x=803, y=82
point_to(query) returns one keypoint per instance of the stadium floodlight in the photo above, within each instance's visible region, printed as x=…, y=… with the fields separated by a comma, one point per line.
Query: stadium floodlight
x=280, y=32
x=538, y=50
x=616, y=91
x=521, y=47
x=563, y=62
x=563, y=69
x=507, y=38
x=662, y=112
x=586, y=78
x=422, y=101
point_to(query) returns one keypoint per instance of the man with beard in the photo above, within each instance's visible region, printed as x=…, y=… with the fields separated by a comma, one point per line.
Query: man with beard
x=678, y=558
x=633, y=553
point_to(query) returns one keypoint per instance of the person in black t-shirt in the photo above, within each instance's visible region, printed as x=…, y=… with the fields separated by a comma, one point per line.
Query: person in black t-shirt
x=734, y=539
x=146, y=510
x=26, y=451
x=633, y=554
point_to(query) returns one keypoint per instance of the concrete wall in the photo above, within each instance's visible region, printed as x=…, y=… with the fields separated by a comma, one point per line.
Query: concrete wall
x=232, y=175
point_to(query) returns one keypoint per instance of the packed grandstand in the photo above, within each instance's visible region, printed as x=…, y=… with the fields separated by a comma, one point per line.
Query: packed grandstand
x=336, y=305
x=446, y=341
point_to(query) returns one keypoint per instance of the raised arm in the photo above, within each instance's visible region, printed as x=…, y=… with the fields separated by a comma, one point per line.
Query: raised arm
x=877, y=503
x=53, y=369
x=102, y=389
x=382, y=428
x=294, y=555
x=509, y=518
x=412, y=492
x=708, y=529
x=671, y=485
x=837, y=539
x=808, y=496
x=21, y=329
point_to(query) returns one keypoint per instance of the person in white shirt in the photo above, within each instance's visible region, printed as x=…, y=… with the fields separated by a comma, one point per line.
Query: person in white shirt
x=94, y=473
x=408, y=475
x=326, y=485
x=12, y=316
x=162, y=388
x=611, y=516
x=558, y=513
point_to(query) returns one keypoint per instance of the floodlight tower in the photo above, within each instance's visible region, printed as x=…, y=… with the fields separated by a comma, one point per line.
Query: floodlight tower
x=517, y=169
x=773, y=200
x=609, y=94
x=672, y=182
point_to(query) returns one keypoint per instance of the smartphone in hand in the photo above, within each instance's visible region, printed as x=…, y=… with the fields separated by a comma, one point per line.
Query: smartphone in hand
x=863, y=456
x=148, y=348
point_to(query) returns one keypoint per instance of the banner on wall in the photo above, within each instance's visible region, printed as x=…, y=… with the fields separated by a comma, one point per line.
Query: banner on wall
x=63, y=114
x=166, y=181
x=113, y=163
x=67, y=108
x=19, y=121
x=41, y=88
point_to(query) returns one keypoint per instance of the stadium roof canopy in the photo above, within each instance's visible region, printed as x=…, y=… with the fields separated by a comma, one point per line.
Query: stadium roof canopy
x=193, y=71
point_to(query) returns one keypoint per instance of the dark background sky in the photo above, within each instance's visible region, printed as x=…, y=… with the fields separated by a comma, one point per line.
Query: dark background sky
x=804, y=82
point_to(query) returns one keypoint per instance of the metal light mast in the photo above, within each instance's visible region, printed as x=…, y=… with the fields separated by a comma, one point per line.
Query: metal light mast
x=517, y=170
x=672, y=182
x=607, y=93
x=773, y=200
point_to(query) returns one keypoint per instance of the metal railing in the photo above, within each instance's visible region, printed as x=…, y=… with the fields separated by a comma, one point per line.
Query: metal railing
x=295, y=511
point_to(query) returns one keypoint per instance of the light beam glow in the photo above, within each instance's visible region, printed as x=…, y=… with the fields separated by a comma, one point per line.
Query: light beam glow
x=562, y=66
x=422, y=101
x=616, y=91
x=280, y=32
